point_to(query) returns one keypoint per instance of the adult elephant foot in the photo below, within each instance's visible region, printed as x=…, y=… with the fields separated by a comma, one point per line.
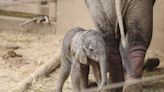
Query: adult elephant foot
x=137, y=60
x=128, y=87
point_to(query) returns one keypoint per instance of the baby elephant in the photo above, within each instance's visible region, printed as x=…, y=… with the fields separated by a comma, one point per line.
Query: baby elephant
x=82, y=48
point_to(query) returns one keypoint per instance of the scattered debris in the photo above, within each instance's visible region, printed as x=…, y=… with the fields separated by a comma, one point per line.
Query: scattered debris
x=13, y=59
x=41, y=19
x=10, y=54
x=43, y=70
x=10, y=46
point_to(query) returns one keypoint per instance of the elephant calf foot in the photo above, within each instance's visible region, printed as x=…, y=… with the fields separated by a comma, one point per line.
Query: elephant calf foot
x=92, y=84
x=58, y=90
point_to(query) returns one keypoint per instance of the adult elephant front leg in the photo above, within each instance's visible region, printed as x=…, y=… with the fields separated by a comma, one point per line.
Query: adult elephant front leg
x=138, y=23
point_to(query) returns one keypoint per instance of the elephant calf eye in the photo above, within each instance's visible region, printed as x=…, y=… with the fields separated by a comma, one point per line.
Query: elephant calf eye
x=91, y=49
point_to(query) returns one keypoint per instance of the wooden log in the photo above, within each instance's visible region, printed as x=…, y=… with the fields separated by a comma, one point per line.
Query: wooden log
x=42, y=71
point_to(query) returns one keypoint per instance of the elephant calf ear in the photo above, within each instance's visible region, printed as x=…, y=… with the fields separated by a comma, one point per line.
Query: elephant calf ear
x=82, y=58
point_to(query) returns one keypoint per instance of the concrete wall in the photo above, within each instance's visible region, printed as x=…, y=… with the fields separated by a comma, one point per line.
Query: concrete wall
x=13, y=24
x=34, y=8
x=158, y=32
x=72, y=13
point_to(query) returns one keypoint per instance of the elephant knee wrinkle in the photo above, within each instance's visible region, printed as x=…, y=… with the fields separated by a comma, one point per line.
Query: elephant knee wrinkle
x=135, y=54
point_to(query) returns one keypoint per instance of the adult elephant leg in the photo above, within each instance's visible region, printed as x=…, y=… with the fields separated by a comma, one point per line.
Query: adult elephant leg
x=139, y=29
x=115, y=61
x=106, y=26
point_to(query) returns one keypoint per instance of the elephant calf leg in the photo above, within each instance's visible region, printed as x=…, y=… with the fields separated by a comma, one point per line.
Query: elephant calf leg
x=76, y=76
x=84, y=76
x=96, y=72
x=97, y=75
x=64, y=73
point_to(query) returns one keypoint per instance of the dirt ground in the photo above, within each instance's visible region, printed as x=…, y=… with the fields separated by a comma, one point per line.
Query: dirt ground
x=36, y=48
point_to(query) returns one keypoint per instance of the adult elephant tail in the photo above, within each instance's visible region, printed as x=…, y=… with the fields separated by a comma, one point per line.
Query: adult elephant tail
x=120, y=22
x=123, y=45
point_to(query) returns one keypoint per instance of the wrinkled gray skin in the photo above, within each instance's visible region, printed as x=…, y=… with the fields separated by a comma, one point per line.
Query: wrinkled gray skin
x=80, y=49
x=138, y=22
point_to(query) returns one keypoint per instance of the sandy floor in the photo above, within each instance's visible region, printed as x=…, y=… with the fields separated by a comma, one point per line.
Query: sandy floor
x=36, y=49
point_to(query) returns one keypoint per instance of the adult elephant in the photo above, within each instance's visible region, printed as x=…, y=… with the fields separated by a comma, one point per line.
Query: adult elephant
x=138, y=21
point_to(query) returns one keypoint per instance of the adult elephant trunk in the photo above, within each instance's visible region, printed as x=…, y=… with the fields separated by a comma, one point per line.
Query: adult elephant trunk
x=103, y=69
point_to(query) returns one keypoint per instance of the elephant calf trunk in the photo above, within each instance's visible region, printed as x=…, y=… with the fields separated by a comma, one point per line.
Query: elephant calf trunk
x=103, y=69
